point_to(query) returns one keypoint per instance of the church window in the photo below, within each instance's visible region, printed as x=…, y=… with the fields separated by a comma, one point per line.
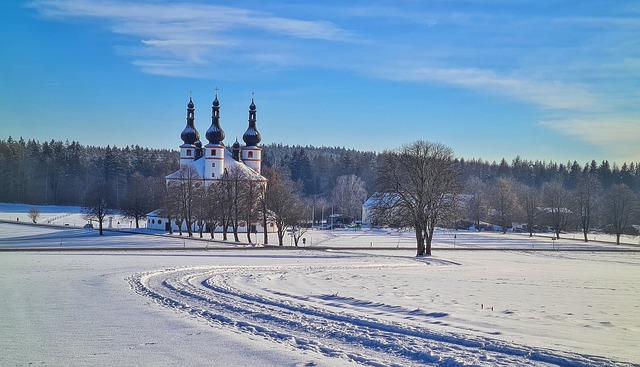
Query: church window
x=153, y=221
x=213, y=152
x=213, y=175
x=213, y=164
x=159, y=221
x=250, y=154
x=188, y=152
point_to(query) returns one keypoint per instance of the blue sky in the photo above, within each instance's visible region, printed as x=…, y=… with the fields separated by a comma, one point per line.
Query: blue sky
x=543, y=79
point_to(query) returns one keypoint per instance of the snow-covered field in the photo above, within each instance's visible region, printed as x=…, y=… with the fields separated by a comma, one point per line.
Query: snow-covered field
x=365, y=301
x=269, y=307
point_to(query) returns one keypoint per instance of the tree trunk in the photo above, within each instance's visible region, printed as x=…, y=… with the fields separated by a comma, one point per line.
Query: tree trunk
x=428, y=240
x=100, y=226
x=249, y=231
x=212, y=228
x=264, y=225
x=585, y=232
x=235, y=232
x=189, y=228
x=280, y=235
x=420, y=242
x=617, y=238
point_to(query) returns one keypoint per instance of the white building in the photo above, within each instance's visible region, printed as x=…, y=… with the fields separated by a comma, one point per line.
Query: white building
x=210, y=162
x=213, y=159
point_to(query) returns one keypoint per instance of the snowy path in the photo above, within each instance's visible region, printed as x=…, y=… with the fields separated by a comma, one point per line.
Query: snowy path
x=370, y=334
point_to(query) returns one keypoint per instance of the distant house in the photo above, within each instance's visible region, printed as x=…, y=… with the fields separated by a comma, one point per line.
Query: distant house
x=372, y=202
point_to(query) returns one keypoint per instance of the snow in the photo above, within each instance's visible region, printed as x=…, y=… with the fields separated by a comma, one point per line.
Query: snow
x=359, y=298
x=229, y=164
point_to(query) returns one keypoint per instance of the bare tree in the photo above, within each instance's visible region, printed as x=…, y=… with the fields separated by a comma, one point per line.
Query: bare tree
x=586, y=201
x=420, y=181
x=557, y=201
x=348, y=194
x=300, y=225
x=264, y=213
x=530, y=202
x=283, y=202
x=476, y=206
x=621, y=207
x=34, y=214
x=504, y=202
x=250, y=191
x=200, y=207
x=185, y=185
x=213, y=207
x=137, y=199
x=168, y=202
x=97, y=203
x=232, y=183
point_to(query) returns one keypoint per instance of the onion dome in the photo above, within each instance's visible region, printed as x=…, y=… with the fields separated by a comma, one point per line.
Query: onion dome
x=235, y=150
x=215, y=134
x=190, y=135
x=198, y=151
x=252, y=137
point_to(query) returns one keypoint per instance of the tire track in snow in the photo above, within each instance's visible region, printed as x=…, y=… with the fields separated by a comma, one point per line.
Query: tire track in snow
x=205, y=292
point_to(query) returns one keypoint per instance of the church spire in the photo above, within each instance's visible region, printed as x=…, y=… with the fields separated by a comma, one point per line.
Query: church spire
x=215, y=134
x=252, y=137
x=190, y=135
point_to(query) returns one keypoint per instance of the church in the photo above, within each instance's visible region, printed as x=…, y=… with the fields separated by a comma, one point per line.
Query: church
x=211, y=161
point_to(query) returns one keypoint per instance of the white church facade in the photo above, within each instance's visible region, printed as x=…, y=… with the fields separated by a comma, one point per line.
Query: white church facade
x=210, y=162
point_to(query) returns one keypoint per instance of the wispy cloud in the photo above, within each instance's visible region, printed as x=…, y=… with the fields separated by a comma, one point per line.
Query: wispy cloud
x=617, y=134
x=189, y=17
x=547, y=94
x=173, y=36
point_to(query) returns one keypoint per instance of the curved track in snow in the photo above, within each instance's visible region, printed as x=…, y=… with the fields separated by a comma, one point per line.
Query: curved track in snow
x=313, y=324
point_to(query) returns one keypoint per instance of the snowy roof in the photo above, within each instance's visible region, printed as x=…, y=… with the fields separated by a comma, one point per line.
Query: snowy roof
x=229, y=164
x=379, y=197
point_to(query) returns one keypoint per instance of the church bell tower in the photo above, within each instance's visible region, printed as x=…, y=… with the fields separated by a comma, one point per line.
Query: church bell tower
x=189, y=136
x=214, y=151
x=251, y=153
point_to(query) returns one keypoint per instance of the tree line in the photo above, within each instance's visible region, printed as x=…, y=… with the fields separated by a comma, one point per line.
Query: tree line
x=421, y=185
x=325, y=180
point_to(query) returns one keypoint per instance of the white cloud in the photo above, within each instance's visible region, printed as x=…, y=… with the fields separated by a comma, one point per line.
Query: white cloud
x=616, y=134
x=174, y=36
x=546, y=94
x=188, y=17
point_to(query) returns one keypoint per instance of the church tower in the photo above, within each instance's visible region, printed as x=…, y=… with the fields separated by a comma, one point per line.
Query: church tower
x=189, y=136
x=251, y=153
x=214, y=151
